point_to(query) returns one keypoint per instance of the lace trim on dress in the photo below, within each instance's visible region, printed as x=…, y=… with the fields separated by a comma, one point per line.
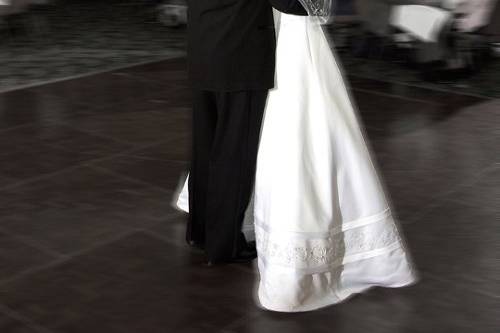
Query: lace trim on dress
x=357, y=243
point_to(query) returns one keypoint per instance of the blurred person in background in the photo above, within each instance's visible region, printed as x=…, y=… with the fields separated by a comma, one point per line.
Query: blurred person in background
x=443, y=34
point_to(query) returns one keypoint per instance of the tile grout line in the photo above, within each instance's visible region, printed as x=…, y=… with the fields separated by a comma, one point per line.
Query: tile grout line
x=234, y=324
x=96, y=134
x=440, y=199
x=165, y=239
x=62, y=258
x=130, y=179
x=78, y=165
x=87, y=164
x=31, y=243
x=67, y=258
x=169, y=217
x=40, y=177
x=422, y=87
x=147, y=158
x=125, y=152
x=149, y=232
x=451, y=281
x=13, y=128
x=25, y=320
x=178, y=55
x=379, y=93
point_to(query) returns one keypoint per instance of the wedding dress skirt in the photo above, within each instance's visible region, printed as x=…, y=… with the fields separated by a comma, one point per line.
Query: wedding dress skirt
x=323, y=225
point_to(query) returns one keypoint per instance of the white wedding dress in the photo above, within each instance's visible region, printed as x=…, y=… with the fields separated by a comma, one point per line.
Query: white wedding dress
x=323, y=226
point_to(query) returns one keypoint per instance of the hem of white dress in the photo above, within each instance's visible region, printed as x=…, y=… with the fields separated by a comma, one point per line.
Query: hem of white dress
x=404, y=277
x=342, y=297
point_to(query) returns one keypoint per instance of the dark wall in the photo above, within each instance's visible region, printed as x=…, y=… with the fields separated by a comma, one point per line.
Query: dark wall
x=344, y=7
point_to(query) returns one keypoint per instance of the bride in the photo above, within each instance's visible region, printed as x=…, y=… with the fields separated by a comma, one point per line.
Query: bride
x=323, y=225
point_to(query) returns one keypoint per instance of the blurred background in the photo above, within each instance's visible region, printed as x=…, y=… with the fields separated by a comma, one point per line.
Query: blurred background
x=448, y=44
x=95, y=111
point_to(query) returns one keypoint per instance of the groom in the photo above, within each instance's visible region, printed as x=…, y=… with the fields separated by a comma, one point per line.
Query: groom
x=231, y=54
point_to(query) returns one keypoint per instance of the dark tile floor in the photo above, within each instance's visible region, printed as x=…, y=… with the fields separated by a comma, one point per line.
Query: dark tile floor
x=90, y=243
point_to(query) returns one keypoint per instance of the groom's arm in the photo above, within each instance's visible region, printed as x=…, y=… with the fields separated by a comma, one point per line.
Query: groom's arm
x=289, y=7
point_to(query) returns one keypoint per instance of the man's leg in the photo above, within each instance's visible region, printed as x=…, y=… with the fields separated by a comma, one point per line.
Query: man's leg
x=232, y=170
x=204, y=122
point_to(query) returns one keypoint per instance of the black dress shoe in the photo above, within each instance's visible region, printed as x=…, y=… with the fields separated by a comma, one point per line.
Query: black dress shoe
x=196, y=245
x=243, y=257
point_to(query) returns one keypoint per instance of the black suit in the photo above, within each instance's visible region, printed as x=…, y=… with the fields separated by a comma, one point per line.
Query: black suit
x=231, y=65
x=232, y=42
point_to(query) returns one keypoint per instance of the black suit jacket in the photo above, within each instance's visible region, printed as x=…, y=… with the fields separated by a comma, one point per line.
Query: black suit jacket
x=231, y=43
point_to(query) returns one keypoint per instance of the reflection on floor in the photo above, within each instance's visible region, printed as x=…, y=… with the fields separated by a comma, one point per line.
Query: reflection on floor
x=89, y=242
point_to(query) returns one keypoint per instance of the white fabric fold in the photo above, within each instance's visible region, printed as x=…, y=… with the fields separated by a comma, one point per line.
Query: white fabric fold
x=323, y=224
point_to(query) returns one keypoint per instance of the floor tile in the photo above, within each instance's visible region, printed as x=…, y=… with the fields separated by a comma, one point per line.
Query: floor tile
x=458, y=243
x=484, y=193
x=138, y=283
x=391, y=116
x=78, y=208
x=136, y=128
x=412, y=92
x=175, y=95
x=171, y=150
x=102, y=89
x=172, y=230
x=4, y=181
x=127, y=267
x=10, y=325
x=36, y=150
x=427, y=164
x=166, y=174
x=17, y=256
x=31, y=106
x=173, y=70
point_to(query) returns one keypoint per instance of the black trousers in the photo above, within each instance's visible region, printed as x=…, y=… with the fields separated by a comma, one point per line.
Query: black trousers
x=226, y=131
